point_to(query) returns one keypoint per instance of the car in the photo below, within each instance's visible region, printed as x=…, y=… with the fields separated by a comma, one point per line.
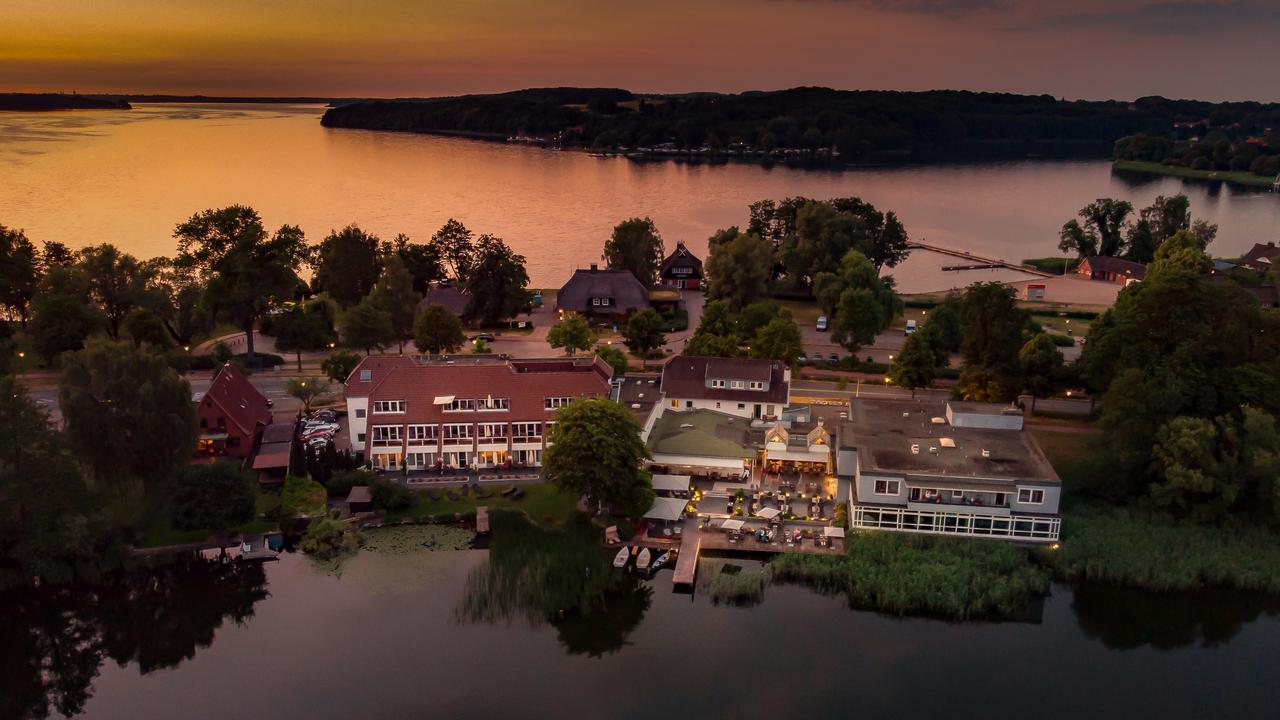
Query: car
x=834, y=358
x=910, y=328
x=486, y=337
x=822, y=323
x=801, y=359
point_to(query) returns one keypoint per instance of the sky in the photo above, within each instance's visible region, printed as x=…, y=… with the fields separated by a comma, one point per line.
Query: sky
x=1092, y=49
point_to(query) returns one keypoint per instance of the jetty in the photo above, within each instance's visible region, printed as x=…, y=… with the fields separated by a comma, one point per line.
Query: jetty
x=687, y=561
x=977, y=261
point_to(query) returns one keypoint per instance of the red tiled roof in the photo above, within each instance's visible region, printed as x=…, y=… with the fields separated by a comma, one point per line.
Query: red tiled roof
x=526, y=383
x=239, y=400
x=685, y=377
x=1261, y=252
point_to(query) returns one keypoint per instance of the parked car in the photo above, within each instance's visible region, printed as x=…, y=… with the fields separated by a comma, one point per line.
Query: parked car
x=801, y=359
x=822, y=323
x=910, y=328
x=487, y=337
x=834, y=358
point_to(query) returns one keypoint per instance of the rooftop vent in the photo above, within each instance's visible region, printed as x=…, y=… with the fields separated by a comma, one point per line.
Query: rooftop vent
x=915, y=449
x=686, y=426
x=635, y=406
x=366, y=375
x=986, y=453
x=906, y=414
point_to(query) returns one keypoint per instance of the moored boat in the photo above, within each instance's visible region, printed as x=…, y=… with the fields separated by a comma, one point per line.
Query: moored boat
x=620, y=560
x=642, y=560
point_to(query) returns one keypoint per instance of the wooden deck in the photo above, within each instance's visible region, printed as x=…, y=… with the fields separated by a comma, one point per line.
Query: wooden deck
x=687, y=561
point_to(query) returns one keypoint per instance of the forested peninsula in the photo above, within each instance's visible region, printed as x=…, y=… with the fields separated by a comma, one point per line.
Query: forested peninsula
x=33, y=102
x=807, y=124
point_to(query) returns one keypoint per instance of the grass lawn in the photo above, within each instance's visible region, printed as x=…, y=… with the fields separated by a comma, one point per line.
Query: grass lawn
x=1053, y=265
x=804, y=313
x=1077, y=458
x=1056, y=323
x=303, y=495
x=1240, y=178
x=544, y=503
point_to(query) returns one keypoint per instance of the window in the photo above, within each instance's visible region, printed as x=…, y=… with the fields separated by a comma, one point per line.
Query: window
x=742, y=406
x=1030, y=497
x=717, y=383
x=1002, y=499
x=526, y=431
x=737, y=385
x=886, y=487
x=461, y=405
x=360, y=437
x=493, y=403
x=388, y=406
x=957, y=494
x=491, y=432
x=595, y=301
x=552, y=403
x=457, y=434
x=423, y=433
x=757, y=385
x=366, y=375
x=360, y=412
x=387, y=434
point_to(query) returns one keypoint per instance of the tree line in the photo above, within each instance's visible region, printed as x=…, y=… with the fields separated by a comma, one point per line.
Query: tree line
x=1109, y=227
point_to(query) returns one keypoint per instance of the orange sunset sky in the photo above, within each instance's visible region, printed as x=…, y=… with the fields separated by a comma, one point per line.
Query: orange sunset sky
x=1208, y=49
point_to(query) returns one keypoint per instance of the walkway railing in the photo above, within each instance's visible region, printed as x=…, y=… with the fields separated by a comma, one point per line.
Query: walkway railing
x=941, y=522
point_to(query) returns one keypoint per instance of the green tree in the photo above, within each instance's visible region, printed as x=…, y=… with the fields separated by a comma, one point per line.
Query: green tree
x=572, y=333
x=19, y=272
x=778, y=340
x=1041, y=367
x=339, y=366
x=61, y=322
x=636, y=246
x=643, y=333
x=421, y=260
x=705, y=344
x=144, y=326
x=177, y=297
x=857, y=301
x=614, y=357
x=594, y=451
x=244, y=270
x=437, y=331
x=127, y=413
x=859, y=318
x=305, y=328
x=452, y=243
x=329, y=538
x=480, y=346
x=307, y=390
x=496, y=282
x=394, y=295
x=117, y=282
x=347, y=264
x=367, y=326
x=1107, y=218
x=215, y=496
x=992, y=326
x=945, y=320
x=739, y=270
x=916, y=365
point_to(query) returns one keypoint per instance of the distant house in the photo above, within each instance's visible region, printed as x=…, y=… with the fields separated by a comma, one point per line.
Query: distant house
x=744, y=387
x=1261, y=257
x=453, y=299
x=602, y=293
x=682, y=270
x=232, y=415
x=1112, y=269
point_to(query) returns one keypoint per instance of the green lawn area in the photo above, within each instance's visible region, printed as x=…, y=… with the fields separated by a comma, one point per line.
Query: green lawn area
x=1241, y=177
x=303, y=495
x=804, y=313
x=1077, y=458
x=1053, y=322
x=1053, y=265
x=544, y=503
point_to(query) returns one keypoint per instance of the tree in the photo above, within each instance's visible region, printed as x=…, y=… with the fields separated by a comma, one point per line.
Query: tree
x=328, y=537
x=858, y=303
x=127, y=413
x=595, y=451
x=636, y=246
x=1041, y=367
x=19, y=272
x=216, y=496
x=367, y=326
x=1074, y=237
x=452, y=244
x=496, y=282
x=421, y=260
x=614, y=357
x=177, y=297
x=915, y=366
x=244, y=269
x=705, y=344
x=739, y=270
x=480, y=346
x=339, y=366
x=307, y=390
x=437, y=331
x=572, y=333
x=778, y=340
x=859, y=318
x=304, y=328
x=62, y=321
x=394, y=295
x=347, y=263
x=643, y=333
x=942, y=328
x=117, y=282
x=992, y=326
x=145, y=327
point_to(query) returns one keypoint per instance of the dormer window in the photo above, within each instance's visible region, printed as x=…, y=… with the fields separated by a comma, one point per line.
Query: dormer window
x=717, y=383
x=757, y=385
x=737, y=385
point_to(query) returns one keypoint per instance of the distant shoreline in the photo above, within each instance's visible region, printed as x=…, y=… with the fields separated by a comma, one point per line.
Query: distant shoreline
x=51, y=102
x=1243, y=178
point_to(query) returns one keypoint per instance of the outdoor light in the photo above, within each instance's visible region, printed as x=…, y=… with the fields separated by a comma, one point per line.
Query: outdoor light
x=21, y=354
x=187, y=348
x=890, y=357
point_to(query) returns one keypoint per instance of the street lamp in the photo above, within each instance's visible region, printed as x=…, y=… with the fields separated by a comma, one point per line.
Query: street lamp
x=22, y=364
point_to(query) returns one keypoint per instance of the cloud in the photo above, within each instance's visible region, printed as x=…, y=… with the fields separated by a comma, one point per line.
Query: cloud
x=1164, y=17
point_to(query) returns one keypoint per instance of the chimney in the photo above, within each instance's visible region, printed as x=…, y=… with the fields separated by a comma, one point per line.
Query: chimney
x=594, y=267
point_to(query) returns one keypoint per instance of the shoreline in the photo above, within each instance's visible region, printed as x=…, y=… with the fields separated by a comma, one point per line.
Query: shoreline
x=1242, y=179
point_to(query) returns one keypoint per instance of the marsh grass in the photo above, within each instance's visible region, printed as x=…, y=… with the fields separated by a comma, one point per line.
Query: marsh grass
x=731, y=584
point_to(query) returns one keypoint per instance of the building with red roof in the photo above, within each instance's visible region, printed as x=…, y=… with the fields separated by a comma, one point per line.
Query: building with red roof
x=232, y=415
x=454, y=412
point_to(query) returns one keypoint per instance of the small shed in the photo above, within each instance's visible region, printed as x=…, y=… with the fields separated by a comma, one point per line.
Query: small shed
x=360, y=499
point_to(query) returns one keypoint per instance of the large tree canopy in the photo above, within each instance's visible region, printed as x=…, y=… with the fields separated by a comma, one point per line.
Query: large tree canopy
x=436, y=330
x=213, y=496
x=636, y=246
x=594, y=450
x=347, y=264
x=19, y=272
x=992, y=326
x=496, y=282
x=738, y=268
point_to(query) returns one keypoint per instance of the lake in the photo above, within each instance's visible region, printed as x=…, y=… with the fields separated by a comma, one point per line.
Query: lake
x=387, y=639
x=128, y=177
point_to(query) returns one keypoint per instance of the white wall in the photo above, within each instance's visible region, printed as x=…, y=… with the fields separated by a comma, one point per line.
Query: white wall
x=357, y=426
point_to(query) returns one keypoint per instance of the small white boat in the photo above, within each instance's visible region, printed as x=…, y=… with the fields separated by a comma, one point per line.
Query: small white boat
x=661, y=561
x=620, y=560
x=642, y=560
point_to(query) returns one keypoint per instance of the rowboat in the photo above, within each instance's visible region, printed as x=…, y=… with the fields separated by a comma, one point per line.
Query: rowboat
x=620, y=560
x=642, y=560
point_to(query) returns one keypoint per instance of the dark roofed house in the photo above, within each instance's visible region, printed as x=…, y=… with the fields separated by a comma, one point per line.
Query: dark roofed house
x=682, y=270
x=1261, y=257
x=232, y=415
x=1112, y=269
x=452, y=298
x=602, y=293
x=745, y=387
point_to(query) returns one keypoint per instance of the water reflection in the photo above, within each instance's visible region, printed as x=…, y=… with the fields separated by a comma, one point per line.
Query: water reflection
x=53, y=640
x=1124, y=618
x=559, y=576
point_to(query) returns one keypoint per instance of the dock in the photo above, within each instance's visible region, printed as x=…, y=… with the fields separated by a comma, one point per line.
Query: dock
x=687, y=561
x=482, y=519
x=978, y=262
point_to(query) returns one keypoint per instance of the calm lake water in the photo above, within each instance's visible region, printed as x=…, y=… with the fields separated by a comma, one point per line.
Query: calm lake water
x=387, y=640
x=129, y=177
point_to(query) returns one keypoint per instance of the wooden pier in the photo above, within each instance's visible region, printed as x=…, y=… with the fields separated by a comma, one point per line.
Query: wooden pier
x=978, y=261
x=687, y=561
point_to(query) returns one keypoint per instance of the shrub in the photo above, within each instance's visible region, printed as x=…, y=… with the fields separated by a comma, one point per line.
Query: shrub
x=1061, y=340
x=340, y=482
x=328, y=538
x=218, y=496
x=390, y=495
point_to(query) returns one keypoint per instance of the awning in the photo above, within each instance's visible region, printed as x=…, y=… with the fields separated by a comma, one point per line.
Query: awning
x=668, y=509
x=442, y=400
x=800, y=456
x=768, y=513
x=213, y=436
x=671, y=483
x=833, y=532
x=732, y=524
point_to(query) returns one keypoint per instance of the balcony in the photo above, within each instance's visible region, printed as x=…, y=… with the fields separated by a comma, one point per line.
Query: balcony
x=1034, y=528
